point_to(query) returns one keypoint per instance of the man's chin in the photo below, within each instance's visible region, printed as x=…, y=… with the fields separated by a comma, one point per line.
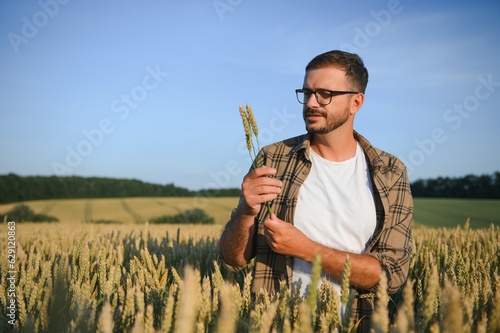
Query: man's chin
x=315, y=130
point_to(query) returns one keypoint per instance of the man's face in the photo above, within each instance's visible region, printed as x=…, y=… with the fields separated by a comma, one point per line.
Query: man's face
x=322, y=119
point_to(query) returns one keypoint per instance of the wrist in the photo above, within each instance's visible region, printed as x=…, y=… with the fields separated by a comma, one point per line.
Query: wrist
x=245, y=211
x=313, y=249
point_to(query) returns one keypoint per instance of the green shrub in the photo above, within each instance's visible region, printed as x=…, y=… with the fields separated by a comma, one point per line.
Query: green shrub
x=104, y=221
x=23, y=213
x=195, y=215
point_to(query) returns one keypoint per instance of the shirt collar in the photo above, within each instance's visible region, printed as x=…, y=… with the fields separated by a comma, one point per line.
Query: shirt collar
x=304, y=144
x=371, y=153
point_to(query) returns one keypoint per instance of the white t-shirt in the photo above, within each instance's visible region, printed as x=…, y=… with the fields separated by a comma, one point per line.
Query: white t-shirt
x=335, y=208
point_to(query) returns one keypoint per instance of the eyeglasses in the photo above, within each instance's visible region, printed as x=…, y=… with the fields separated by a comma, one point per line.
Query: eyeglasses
x=323, y=96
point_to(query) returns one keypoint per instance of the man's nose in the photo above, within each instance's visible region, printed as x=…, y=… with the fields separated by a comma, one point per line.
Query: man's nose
x=312, y=101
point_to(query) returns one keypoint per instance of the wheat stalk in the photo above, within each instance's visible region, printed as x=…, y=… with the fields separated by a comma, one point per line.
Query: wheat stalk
x=230, y=303
x=248, y=131
x=405, y=318
x=105, y=321
x=346, y=275
x=251, y=132
x=191, y=290
x=380, y=317
x=452, y=314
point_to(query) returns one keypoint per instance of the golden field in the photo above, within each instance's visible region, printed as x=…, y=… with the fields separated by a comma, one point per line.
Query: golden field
x=137, y=277
x=128, y=210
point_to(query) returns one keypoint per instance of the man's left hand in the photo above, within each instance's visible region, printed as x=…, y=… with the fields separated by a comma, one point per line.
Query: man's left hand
x=285, y=238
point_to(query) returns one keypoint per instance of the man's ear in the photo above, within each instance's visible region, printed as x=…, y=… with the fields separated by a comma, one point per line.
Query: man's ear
x=356, y=102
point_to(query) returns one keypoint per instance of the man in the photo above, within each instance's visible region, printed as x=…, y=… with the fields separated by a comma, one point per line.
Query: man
x=332, y=195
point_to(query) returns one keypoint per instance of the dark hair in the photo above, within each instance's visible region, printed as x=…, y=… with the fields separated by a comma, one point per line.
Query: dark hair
x=351, y=63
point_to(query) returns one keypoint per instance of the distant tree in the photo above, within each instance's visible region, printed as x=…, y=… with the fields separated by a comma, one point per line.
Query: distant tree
x=23, y=213
x=418, y=188
x=485, y=187
x=195, y=215
x=496, y=184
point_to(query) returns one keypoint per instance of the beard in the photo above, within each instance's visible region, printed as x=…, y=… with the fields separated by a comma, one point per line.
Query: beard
x=332, y=121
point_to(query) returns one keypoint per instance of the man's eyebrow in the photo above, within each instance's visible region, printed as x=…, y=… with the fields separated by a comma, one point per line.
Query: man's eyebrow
x=304, y=88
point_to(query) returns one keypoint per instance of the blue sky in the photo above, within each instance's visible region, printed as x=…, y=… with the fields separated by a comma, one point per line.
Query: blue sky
x=150, y=89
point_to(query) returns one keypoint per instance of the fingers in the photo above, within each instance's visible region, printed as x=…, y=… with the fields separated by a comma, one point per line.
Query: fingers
x=269, y=231
x=258, y=187
x=262, y=177
x=271, y=223
x=262, y=171
x=278, y=234
x=259, y=181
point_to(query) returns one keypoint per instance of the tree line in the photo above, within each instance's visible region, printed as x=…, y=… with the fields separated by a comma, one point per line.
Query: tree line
x=14, y=188
x=469, y=186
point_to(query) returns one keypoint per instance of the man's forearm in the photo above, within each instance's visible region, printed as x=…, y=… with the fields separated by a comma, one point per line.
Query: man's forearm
x=286, y=239
x=236, y=241
x=365, y=270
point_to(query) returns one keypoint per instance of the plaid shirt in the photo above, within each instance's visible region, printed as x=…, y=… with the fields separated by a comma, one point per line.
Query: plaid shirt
x=391, y=242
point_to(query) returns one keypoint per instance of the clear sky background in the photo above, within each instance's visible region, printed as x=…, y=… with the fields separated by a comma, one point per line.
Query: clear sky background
x=150, y=89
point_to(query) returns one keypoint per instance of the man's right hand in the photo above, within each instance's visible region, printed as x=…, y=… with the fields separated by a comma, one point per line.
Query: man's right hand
x=258, y=187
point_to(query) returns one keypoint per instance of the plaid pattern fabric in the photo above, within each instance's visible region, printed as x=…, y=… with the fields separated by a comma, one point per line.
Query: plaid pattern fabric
x=391, y=242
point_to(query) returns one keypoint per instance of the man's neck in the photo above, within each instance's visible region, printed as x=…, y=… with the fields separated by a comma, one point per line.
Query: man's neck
x=337, y=146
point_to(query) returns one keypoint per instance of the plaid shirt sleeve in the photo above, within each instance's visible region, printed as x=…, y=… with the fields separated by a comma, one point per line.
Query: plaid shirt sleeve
x=392, y=243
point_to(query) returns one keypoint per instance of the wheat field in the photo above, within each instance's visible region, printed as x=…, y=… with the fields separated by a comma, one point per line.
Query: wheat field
x=168, y=278
x=128, y=210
